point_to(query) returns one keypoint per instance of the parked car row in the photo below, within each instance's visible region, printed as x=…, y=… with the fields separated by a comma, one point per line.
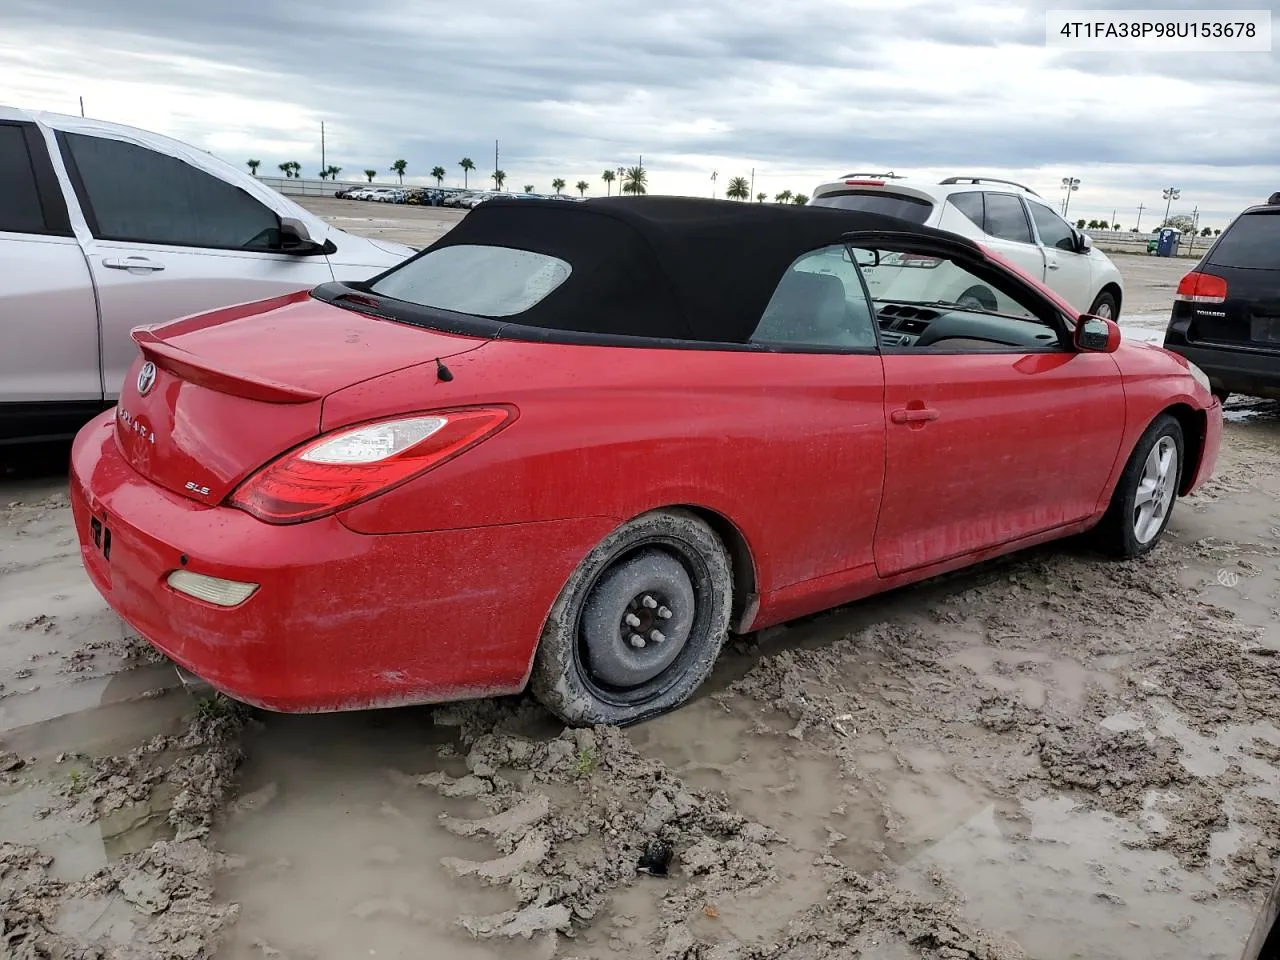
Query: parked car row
x=435, y=196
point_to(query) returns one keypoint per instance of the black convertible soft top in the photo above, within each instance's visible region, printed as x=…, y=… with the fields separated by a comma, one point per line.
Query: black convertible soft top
x=679, y=268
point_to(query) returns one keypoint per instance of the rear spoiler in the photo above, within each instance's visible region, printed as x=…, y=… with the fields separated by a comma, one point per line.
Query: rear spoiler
x=199, y=371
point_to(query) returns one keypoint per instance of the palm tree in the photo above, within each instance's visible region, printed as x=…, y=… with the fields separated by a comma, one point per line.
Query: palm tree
x=557, y=185
x=499, y=178
x=398, y=168
x=467, y=164
x=287, y=167
x=253, y=166
x=528, y=188
x=371, y=174
x=635, y=180
x=799, y=199
x=783, y=197
x=297, y=169
x=334, y=171
x=738, y=189
x=582, y=187
x=1217, y=231
x=438, y=173
x=323, y=173
x=608, y=177
x=761, y=197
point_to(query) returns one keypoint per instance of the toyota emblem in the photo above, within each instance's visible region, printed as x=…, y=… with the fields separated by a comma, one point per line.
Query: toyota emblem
x=146, y=378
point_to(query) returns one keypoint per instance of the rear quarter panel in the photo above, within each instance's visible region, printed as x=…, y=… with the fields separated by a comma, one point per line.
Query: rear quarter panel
x=788, y=448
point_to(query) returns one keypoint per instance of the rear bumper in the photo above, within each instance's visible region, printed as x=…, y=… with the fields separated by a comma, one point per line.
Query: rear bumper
x=341, y=620
x=1252, y=373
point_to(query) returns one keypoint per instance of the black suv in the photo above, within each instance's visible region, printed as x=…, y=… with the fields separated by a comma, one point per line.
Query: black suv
x=1226, y=313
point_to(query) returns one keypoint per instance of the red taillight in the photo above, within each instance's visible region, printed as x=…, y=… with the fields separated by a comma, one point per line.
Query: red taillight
x=864, y=183
x=343, y=468
x=1201, y=288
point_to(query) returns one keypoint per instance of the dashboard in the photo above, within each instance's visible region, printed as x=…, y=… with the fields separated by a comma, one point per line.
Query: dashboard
x=947, y=327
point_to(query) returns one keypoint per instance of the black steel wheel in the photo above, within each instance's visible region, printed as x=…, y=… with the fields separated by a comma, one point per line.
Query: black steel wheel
x=639, y=625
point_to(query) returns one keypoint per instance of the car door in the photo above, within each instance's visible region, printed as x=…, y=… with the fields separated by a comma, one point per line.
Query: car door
x=169, y=240
x=996, y=428
x=1009, y=231
x=48, y=317
x=819, y=330
x=1067, y=269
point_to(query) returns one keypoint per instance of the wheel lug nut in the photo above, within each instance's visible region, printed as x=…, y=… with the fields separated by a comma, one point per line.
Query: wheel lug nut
x=664, y=613
x=637, y=640
x=656, y=636
x=632, y=620
x=648, y=601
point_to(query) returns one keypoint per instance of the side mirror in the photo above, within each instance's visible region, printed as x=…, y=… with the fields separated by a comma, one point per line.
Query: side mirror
x=1084, y=242
x=296, y=238
x=1097, y=334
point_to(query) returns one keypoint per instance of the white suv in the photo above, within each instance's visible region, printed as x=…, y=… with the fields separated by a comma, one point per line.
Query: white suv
x=1009, y=219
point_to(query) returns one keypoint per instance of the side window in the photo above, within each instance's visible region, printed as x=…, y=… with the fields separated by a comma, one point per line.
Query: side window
x=970, y=204
x=819, y=302
x=1053, y=230
x=20, y=210
x=131, y=193
x=1006, y=218
x=928, y=302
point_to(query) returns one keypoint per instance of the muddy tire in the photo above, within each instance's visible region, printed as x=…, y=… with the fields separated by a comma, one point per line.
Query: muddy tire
x=1105, y=306
x=639, y=625
x=1145, y=495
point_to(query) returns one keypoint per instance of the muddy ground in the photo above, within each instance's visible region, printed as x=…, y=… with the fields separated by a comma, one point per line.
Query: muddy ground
x=1050, y=756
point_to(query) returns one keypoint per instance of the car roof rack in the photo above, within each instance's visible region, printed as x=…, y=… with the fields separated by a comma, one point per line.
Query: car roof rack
x=879, y=176
x=1012, y=183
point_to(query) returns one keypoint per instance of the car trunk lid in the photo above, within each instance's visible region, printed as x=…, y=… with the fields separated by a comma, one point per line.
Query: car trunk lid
x=213, y=397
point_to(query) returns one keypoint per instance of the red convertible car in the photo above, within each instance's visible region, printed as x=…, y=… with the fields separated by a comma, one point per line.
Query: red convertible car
x=572, y=446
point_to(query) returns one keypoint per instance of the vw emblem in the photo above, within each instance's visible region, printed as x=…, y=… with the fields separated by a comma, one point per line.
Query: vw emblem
x=146, y=378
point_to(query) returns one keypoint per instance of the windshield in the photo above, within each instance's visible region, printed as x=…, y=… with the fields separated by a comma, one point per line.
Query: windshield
x=481, y=280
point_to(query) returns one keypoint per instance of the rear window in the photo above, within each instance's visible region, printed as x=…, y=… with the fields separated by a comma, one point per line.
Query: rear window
x=483, y=281
x=878, y=201
x=1252, y=242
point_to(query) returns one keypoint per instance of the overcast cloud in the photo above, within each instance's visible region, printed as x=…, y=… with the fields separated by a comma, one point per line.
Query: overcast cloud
x=800, y=92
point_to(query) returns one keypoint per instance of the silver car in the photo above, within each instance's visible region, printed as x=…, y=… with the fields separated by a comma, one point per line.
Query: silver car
x=104, y=228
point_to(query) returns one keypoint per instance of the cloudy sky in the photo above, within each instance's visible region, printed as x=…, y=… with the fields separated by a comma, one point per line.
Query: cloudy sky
x=800, y=91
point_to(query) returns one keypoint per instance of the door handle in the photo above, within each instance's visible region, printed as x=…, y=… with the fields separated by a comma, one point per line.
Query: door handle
x=1051, y=265
x=131, y=263
x=914, y=415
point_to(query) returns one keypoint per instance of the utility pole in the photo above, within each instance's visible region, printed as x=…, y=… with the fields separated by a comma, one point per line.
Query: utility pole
x=323, y=165
x=1138, y=225
x=1195, y=226
x=753, y=185
x=496, y=168
x=714, y=174
x=1112, y=224
x=82, y=106
x=1170, y=194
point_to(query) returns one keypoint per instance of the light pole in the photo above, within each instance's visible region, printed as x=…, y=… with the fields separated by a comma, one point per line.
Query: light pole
x=1068, y=184
x=714, y=174
x=1170, y=194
